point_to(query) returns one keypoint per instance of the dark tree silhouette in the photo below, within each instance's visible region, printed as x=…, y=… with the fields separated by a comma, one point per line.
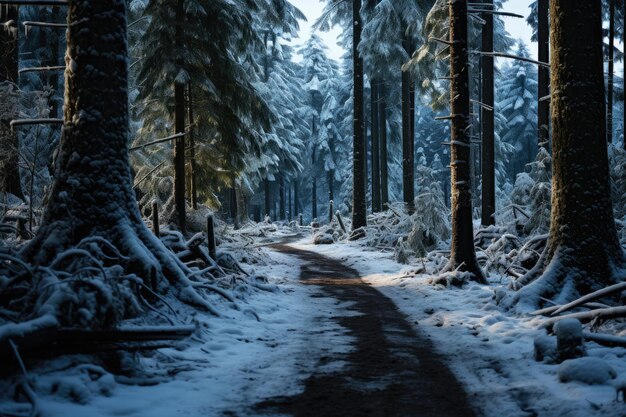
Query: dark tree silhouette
x=487, y=119
x=359, y=208
x=543, y=42
x=583, y=250
x=462, y=252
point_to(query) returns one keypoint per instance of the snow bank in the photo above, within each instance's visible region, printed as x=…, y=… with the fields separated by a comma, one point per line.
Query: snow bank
x=490, y=351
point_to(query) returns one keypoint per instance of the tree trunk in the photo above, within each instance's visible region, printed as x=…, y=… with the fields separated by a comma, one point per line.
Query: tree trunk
x=313, y=191
x=543, y=107
x=56, y=99
x=92, y=194
x=462, y=253
x=609, y=108
x=9, y=164
x=583, y=249
x=179, y=116
x=192, y=150
x=408, y=177
x=382, y=114
x=375, y=148
x=232, y=205
x=281, y=187
x=359, y=205
x=487, y=119
x=289, y=204
x=242, y=205
x=267, y=194
x=331, y=189
x=296, y=202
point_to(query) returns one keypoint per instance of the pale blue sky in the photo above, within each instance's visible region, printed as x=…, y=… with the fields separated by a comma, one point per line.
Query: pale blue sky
x=313, y=8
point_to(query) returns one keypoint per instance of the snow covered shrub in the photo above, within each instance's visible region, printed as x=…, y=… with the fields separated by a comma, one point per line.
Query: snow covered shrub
x=617, y=164
x=520, y=195
x=36, y=143
x=431, y=221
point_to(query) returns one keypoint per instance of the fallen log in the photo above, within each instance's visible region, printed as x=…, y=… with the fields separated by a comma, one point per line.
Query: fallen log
x=605, y=339
x=51, y=342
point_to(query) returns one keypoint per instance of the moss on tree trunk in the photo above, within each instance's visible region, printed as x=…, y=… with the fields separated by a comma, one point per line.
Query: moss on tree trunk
x=583, y=252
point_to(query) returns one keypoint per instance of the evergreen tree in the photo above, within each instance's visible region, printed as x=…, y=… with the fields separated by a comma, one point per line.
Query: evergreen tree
x=517, y=103
x=92, y=196
x=215, y=40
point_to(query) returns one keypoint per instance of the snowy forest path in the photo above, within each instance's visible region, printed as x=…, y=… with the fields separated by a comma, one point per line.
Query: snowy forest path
x=391, y=369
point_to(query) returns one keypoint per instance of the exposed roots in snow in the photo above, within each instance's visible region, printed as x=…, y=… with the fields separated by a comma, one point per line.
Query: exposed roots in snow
x=99, y=283
x=557, y=281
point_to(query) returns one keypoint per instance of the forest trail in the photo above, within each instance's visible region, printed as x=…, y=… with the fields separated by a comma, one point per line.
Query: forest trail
x=391, y=370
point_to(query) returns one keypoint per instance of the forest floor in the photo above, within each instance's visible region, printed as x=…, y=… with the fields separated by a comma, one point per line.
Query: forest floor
x=346, y=331
x=390, y=371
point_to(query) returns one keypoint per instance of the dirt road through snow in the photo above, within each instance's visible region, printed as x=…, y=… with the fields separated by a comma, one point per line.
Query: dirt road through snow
x=391, y=371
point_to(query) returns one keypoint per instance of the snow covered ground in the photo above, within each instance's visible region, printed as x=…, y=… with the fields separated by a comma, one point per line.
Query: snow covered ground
x=236, y=361
x=490, y=351
x=233, y=363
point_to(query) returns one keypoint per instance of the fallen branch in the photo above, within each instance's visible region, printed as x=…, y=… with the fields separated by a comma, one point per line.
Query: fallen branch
x=587, y=316
x=605, y=339
x=604, y=292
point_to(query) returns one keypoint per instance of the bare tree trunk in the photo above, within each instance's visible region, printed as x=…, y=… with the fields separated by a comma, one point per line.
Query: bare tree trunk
x=232, y=203
x=289, y=202
x=583, y=249
x=281, y=186
x=296, y=202
x=9, y=164
x=268, y=201
x=359, y=206
x=242, y=206
x=487, y=119
x=609, y=108
x=408, y=177
x=382, y=113
x=462, y=253
x=179, y=149
x=192, y=150
x=375, y=147
x=330, y=179
x=313, y=191
x=543, y=107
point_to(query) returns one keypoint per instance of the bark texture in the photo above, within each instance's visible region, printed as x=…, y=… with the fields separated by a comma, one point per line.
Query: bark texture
x=268, y=197
x=609, y=108
x=384, y=166
x=487, y=126
x=543, y=107
x=408, y=177
x=192, y=149
x=179, y=116
x=583, y=252
x=92, y=195
x=462, y=252
x=359, y=207
x=375, y=147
